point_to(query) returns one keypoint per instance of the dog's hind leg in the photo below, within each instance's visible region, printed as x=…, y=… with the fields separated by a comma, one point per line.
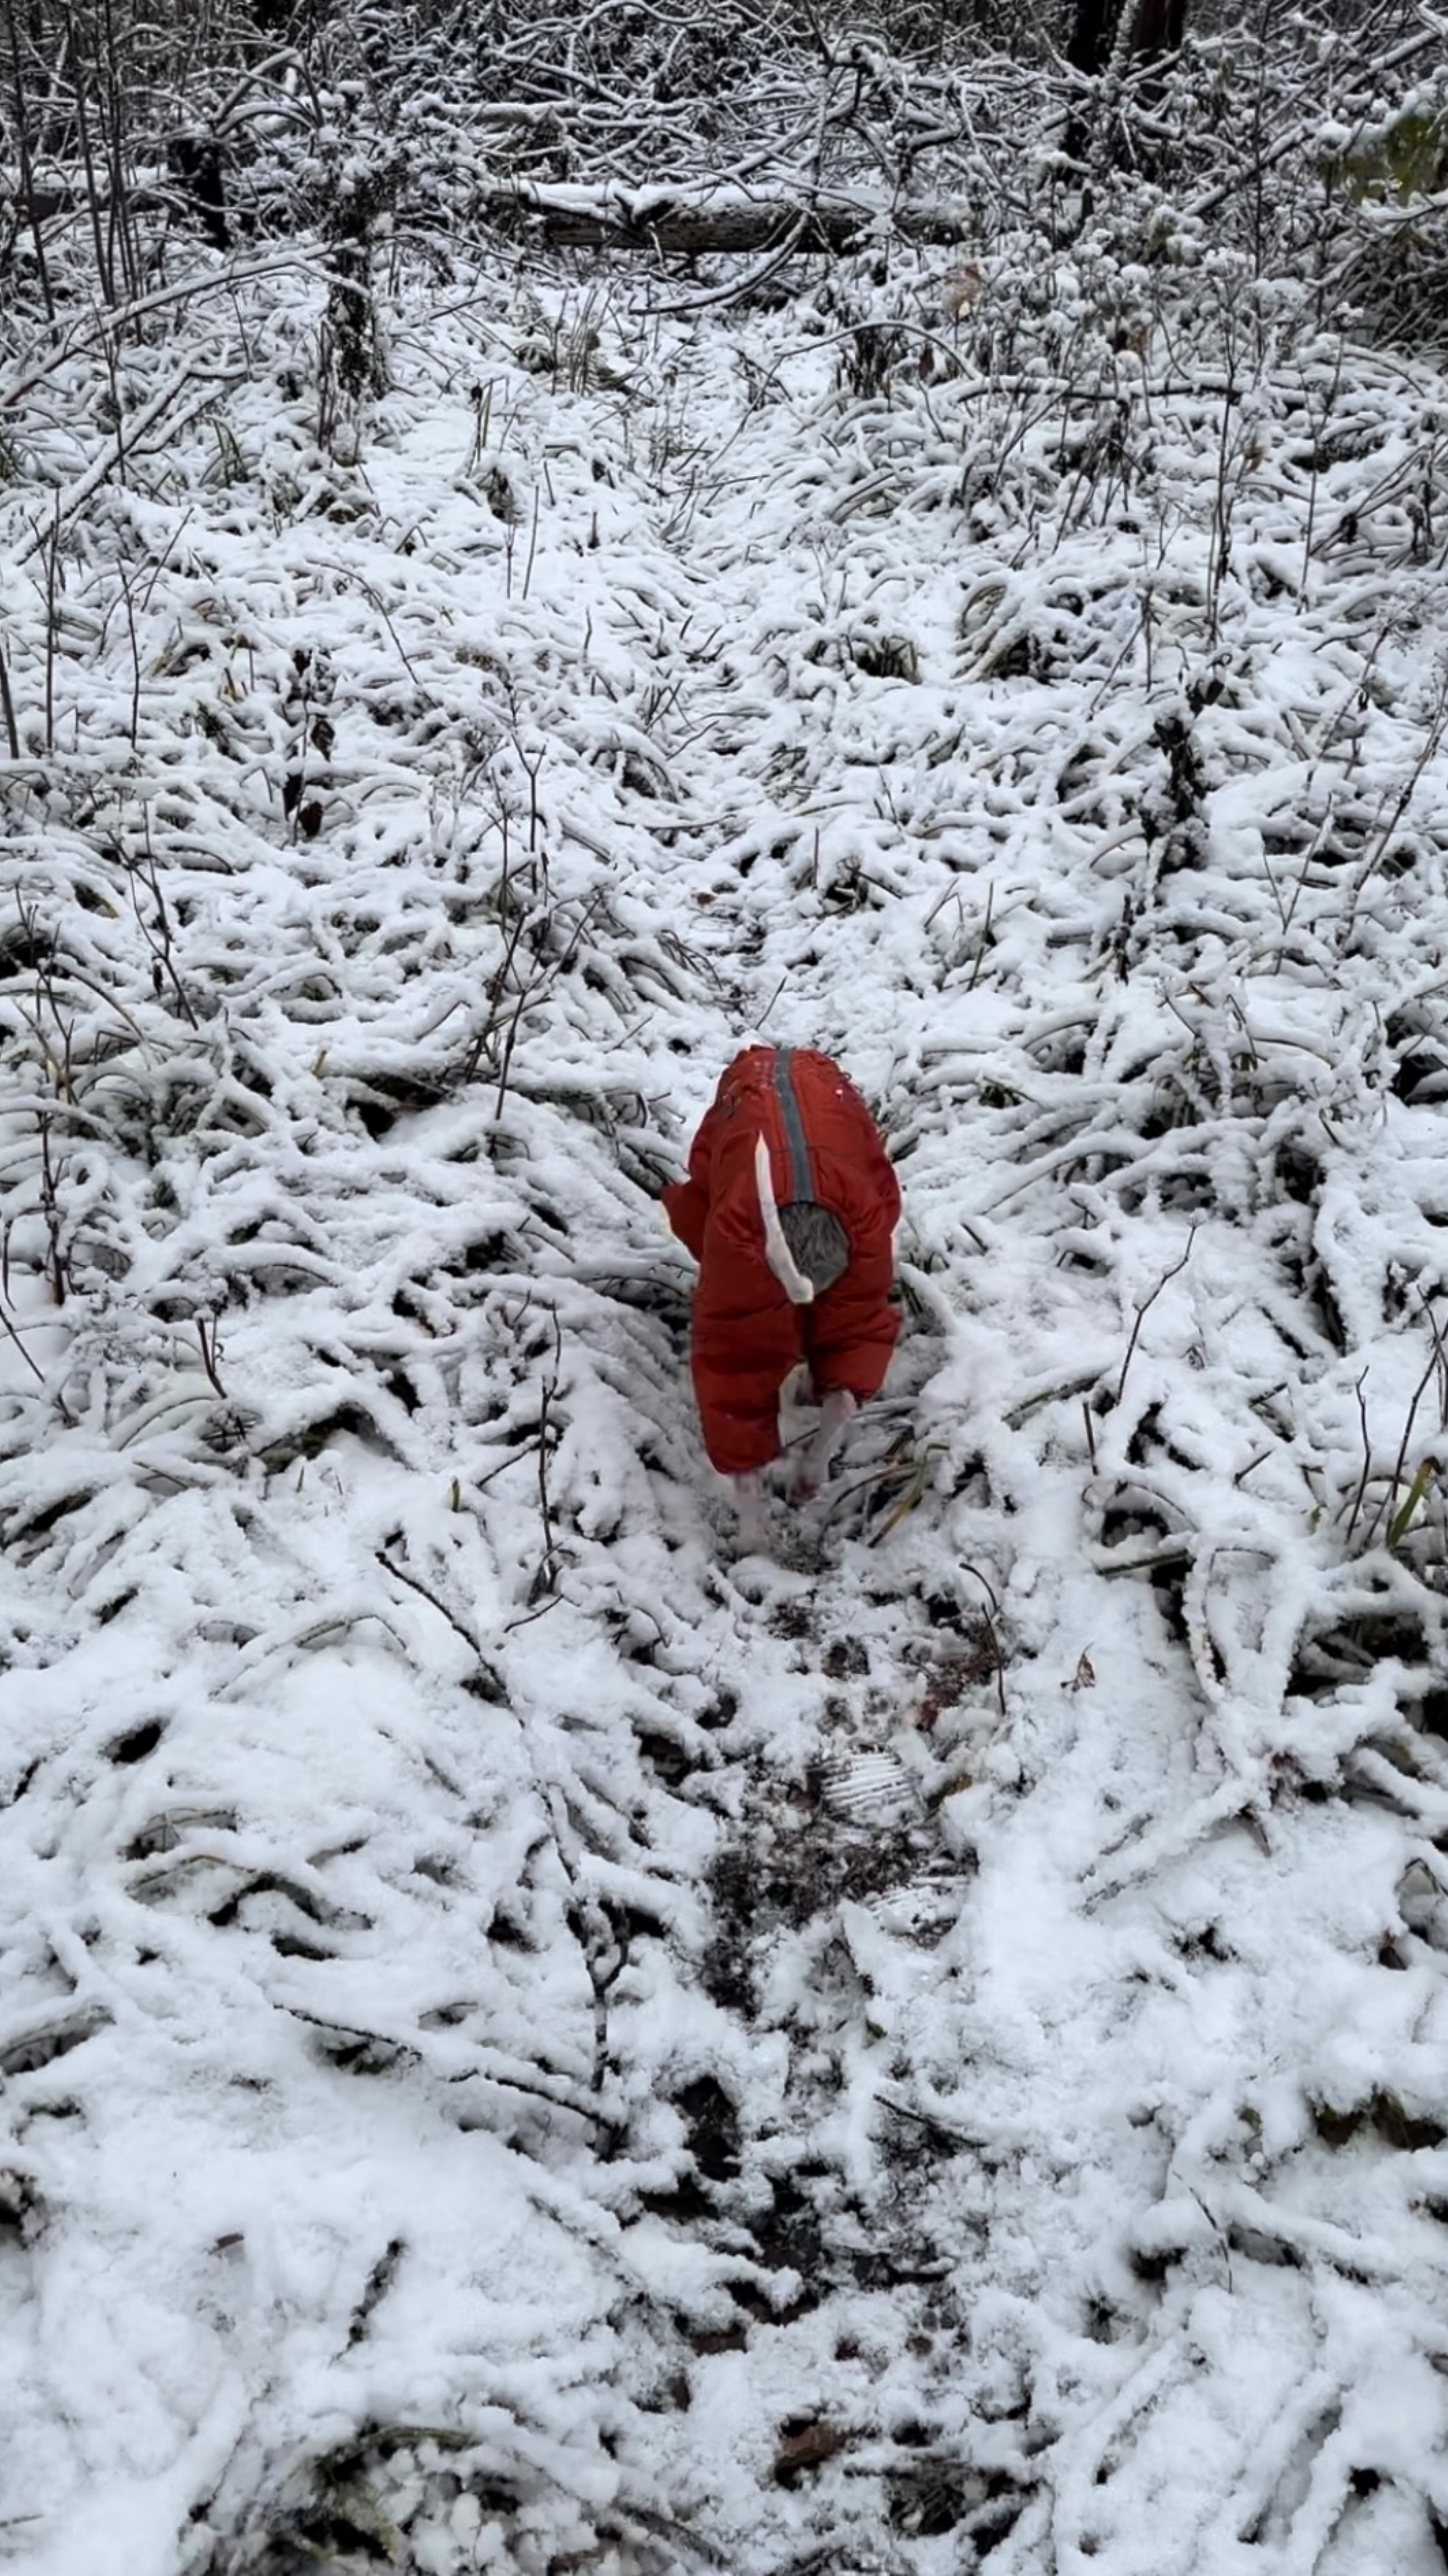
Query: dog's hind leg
x=753, y=1527
x=819, y=1454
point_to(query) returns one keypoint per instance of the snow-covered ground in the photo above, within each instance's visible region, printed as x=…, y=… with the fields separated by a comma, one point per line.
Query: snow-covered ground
x=525, y=2042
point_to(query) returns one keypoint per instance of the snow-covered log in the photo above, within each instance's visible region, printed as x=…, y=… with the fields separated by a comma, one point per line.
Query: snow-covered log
x=681, y=223
x=677, y=222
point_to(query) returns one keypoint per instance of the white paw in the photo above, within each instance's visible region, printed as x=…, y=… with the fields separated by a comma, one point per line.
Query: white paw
x=752, y=1538
x=810, y=1467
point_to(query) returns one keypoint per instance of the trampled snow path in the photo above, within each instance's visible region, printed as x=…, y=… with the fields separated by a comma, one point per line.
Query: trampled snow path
x=523, y=2044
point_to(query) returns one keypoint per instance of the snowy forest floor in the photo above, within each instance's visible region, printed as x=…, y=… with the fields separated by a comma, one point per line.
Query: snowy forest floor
x=525, y=2042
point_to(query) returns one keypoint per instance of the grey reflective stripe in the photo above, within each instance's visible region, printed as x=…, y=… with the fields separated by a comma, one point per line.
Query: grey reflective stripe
x=801, y=1175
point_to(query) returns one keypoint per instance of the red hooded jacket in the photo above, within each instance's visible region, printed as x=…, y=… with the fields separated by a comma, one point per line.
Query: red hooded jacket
x=823, y=1145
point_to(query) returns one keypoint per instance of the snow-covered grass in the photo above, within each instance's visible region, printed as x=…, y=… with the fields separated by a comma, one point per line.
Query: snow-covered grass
x=523, y=2044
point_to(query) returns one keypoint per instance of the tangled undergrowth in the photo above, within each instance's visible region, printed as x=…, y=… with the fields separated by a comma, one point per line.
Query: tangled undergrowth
x=524, y=2044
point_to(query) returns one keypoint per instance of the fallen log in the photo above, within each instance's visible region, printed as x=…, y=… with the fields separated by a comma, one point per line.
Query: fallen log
x=673, y=223
x=679, y=225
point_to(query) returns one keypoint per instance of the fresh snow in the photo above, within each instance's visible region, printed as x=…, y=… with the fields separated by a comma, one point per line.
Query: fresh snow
x=526, y=2041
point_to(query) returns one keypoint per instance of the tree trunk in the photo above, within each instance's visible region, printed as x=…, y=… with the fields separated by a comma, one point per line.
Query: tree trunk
x=1093, y=27
x=1160, y=27
x=1157, y=29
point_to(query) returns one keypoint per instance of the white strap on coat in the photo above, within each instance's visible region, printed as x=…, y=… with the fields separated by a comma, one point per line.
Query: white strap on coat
x=798, y=1289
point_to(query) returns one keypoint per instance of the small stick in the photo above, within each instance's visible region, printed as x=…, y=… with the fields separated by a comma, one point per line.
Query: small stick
x=1145, y=1306
x=7, y=704
x=532, y=545
x=210, y=1351
x=1357, y=1500
x=487, y=1670
x=1401, y=1460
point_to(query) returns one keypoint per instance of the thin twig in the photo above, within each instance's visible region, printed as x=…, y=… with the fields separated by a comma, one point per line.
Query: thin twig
x=7, y=706
x=1357, y=1500
x=546, y=1577
x=415, y=1584
x=9, y=1327
x=1401, y=1460
x=1144, y=1308
x=210, y=1352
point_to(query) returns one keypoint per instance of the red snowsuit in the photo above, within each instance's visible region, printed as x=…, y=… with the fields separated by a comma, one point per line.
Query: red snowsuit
x=823, y=1145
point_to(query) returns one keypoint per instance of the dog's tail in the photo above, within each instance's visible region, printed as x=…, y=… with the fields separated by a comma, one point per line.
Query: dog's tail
x=798, y=1289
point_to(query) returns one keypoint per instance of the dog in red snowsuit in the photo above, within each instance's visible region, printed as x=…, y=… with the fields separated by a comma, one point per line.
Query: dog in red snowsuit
x=788, y=1157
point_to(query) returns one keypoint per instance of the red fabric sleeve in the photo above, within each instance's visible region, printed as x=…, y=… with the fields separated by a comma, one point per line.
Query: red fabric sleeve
x=687, y=1210
x=686, y=1203
x=739, y=1415
x=744, y=1342
x=850, y=1332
